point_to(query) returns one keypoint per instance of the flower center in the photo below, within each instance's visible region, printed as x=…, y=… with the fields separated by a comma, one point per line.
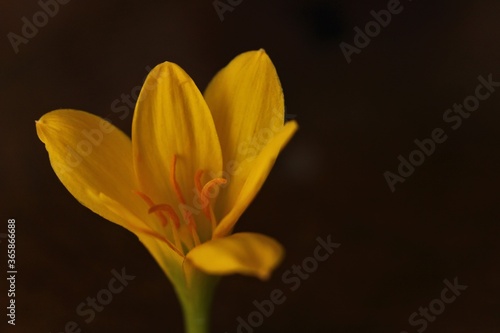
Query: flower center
x=166, y=213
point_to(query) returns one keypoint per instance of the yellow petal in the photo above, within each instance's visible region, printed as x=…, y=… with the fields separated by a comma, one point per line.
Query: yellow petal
x=169, y=261
x=93, y=160
x=247, y=104
x=260, y=169
x=245, y=253
x=172, y=118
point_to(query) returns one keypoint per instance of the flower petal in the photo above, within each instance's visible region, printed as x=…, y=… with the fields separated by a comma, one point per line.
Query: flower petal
x=172, y=118
x=260, y=168
x=169, y=261
x=245, y=253
x=247, y=104
x=93, y=160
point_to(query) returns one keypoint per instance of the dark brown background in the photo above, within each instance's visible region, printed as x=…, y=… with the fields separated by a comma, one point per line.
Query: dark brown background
x=355, y=119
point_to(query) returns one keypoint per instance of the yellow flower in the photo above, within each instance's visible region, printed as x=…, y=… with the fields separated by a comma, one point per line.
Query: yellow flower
x=194, y=164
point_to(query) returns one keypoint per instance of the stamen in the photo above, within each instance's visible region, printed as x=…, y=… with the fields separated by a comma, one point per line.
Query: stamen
x=167, y=209
x=208, y=186
x=197, y=180
x=145, y=198
x=158, y=209
x=188, y=217
x=174, y=181
x=207, y=208
x=174, y=248
x=212, y=219
x=199, y=189
x=194, y=234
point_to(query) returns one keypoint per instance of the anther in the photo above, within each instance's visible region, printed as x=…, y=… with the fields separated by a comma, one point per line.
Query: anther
x=210, y=185
x=158, y=210
x=145, y=198
x=167, y=209
x=207, y=209
x=177, y=247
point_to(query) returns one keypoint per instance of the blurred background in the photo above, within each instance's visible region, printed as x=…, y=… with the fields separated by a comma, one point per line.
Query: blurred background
x=355, y=119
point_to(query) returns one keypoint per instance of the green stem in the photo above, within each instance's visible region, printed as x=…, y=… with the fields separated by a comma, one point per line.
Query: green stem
x=196, y=304
x=197, y=316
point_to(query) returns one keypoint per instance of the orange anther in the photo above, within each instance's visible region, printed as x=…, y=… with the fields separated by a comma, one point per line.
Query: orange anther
x=211, y=184
x=144, y=197
x=158, y=210
x=167, y=209
x=207, y=209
